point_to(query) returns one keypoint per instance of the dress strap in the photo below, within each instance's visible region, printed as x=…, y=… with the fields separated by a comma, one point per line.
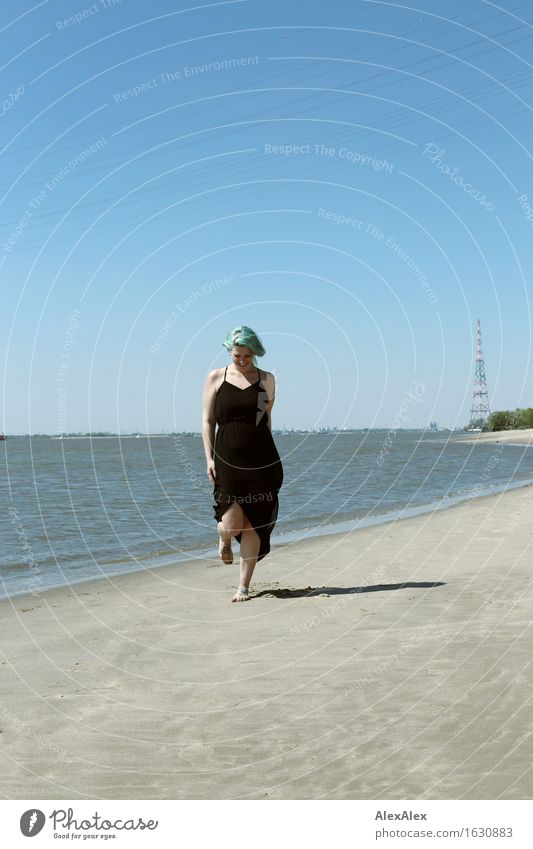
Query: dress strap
x=225, y=370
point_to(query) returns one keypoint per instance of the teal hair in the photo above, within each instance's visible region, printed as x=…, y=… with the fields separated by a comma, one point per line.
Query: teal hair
x=246, y=337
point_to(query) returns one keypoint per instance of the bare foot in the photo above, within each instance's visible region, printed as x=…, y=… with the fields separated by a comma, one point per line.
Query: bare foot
x=224, y=550
x=241, y=594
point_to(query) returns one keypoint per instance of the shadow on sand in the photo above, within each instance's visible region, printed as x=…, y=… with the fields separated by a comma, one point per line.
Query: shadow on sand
x=328, y=591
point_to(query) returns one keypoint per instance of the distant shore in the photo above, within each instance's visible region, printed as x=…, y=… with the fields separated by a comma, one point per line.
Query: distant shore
x=513, y=437
x=326, y=431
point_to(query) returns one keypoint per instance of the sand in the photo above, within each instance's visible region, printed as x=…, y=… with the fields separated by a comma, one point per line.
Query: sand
x=514, y=437
x=393, y=662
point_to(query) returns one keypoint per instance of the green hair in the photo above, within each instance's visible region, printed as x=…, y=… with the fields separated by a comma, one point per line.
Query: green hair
x=246, y=337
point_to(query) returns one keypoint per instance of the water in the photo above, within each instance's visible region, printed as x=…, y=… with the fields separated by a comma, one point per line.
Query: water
x=78, y=508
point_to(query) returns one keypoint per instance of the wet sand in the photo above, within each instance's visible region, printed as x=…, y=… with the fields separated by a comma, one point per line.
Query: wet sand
x=393, y=662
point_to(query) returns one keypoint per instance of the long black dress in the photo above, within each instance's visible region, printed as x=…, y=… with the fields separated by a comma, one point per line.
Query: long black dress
x=248, y=466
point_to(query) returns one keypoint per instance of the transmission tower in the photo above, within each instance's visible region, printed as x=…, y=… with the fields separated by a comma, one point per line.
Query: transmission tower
x=480, y=411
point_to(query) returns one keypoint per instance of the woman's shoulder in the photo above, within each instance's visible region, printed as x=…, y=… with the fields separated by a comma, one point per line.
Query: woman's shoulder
x=214, y=379
x=268, y=380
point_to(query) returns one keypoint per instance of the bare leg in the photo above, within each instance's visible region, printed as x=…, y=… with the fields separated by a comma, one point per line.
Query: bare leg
x=224, y=545
x=229, y=527
x=250, y=544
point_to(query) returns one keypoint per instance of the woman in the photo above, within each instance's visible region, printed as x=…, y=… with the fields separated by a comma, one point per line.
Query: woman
x=242, y=460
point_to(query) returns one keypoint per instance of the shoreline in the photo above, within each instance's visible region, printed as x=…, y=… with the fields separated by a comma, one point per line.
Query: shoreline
x=510, y=437
x=289, y=537
x=386, y=663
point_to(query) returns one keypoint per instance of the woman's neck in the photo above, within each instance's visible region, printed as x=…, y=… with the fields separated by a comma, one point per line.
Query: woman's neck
x=250, y=371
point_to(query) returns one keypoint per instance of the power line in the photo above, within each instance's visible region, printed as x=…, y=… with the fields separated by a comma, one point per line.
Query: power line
x=385, y=118
x=317, y=64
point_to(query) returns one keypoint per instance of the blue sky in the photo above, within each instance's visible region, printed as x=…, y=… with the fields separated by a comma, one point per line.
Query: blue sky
x=350, y=179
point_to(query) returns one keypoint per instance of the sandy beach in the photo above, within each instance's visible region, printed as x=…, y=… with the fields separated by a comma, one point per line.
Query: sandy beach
x=393, y=662
x=513, y=437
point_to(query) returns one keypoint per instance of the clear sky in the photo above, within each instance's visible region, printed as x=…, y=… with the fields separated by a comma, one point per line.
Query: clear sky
x=351, y=179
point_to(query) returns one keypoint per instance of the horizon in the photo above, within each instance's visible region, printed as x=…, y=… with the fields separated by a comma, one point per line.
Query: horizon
x=283, y=431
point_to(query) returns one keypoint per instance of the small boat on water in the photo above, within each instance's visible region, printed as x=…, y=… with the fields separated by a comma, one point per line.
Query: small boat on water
x=2, y=437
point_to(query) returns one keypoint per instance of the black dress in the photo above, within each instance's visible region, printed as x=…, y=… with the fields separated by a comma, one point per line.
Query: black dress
x=248, y=466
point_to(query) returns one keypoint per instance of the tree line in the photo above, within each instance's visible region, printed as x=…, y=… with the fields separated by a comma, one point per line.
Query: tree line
x=511, y=419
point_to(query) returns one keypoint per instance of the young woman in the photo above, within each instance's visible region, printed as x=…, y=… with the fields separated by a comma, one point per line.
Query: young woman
x=242, y=460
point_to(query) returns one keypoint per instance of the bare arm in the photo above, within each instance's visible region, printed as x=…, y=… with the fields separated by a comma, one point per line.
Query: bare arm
x=270, y=386
x=209, y=423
